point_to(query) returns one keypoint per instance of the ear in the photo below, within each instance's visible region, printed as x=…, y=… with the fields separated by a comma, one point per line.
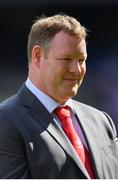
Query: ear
x=36, y=55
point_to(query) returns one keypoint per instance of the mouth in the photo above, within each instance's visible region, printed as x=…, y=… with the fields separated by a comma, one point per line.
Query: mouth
x=71, y=80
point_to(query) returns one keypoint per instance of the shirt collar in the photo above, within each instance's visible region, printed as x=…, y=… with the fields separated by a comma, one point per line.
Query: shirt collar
x=49, y=103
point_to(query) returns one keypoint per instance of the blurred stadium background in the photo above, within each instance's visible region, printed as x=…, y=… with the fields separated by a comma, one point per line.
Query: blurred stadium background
x=100, y=87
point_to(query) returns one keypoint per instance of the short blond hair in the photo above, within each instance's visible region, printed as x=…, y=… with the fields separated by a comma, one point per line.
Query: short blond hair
x=45, y=28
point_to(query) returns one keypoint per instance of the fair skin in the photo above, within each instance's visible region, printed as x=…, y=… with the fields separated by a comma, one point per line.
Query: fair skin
x=59, y=74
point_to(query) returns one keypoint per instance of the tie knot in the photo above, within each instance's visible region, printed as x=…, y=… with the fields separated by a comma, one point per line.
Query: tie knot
x=63, y=112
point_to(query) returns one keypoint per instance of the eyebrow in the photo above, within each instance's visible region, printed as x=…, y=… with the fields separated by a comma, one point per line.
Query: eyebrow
x=76, y=56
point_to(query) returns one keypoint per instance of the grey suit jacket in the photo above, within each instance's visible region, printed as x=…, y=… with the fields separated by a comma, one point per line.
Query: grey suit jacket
x=33, y=146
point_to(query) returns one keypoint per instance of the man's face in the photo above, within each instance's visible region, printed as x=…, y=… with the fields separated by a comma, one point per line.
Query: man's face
x=61, y=72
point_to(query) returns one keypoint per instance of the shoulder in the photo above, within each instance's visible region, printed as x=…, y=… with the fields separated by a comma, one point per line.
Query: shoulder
x=6, y=108
x=90, y=111
x=14, y=118
x=14, y=102
x=9, y=104
x=99, y=117
x=10, y=110
x=8, y=130
x=85, y=107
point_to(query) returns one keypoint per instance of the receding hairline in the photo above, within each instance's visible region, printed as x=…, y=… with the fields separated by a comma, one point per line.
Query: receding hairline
x=45, y=28
x=63, y=21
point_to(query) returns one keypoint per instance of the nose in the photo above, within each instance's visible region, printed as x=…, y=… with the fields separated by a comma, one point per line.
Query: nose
x=75, y=67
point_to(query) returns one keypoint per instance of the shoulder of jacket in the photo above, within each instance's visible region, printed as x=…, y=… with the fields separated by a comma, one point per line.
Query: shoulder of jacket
x=86, y=106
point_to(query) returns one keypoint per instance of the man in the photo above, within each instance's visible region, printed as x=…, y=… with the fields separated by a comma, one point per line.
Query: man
x=34, y=140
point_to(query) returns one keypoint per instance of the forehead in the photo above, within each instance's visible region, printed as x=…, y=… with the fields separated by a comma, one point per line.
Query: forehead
x=66, y=43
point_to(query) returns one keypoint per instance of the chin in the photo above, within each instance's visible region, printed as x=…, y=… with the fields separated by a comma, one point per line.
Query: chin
x=74, y=90
x=63, y=98
x=71, y=94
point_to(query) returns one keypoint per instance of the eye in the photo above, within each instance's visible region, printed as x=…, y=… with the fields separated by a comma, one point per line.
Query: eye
x=81, y=61
x=66, y=59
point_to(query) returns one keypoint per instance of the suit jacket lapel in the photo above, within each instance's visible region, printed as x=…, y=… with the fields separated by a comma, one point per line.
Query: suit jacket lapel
x=62, y=139
x=39, y=113
x=88, y=129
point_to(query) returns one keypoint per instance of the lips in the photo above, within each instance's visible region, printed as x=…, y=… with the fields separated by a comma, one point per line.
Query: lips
x=71, y=81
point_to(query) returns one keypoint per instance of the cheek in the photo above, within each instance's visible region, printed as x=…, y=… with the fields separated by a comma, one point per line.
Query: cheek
x=84, y=69
x=53, y=77
x=84, y=72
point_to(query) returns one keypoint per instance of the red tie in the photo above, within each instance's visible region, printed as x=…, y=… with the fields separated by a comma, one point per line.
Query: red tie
x=65, y=118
